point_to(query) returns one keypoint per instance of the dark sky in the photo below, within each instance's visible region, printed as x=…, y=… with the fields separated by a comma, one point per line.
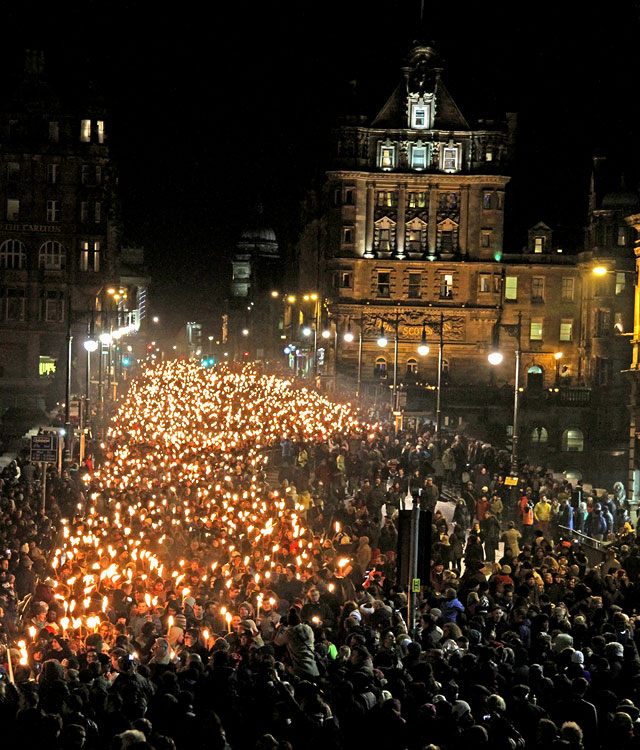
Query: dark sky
x=217, y=106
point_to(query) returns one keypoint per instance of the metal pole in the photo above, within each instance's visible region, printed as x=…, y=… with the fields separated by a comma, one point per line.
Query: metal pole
x=395, y=367
x=439, y=391
x=514, y=444
x=87, y=419
x=68, y=434
x=359, y=362
x=44, y=485
x=100, y=390
x=413, y=567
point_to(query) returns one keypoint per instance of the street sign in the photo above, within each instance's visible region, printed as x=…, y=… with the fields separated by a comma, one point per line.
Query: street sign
x=415, y=585
x=44, y=448
x=511, y=481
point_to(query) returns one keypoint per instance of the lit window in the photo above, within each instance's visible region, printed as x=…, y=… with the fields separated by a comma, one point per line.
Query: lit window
x=384, y=284
x=566, y=330
x=539, y=435
x=347, y=235
x=100, y=126
x=621, y=282
x=511, y=288
x=53, y=210
x=417, y=200
x=450, y=158
x=573, y=440
x=487, y=200
x=380, y=369
x=488, y=155
x=420, y=116
x=51, y=256
x=446, y=286
x=419, y=157
x=567, y=288
x=46, y=366
x=90, y=256
x=386, y=198
x=415, y=279
x=52, y=174
x=484, y=283
x=535, y=330
x=538, y=244
x=85, y=131
x=537, y=289
x=387, y=157
x=13, y=209
x=12, y=255
x=54, y=132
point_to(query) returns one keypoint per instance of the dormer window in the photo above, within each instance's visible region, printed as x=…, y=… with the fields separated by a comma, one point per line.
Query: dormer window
x=387, y=156
x=538, y=244
x=451, y=158
x=420, y=112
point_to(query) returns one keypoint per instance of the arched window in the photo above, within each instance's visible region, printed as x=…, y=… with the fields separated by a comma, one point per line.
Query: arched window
x=380, y=369
x=539, y=434
x=535, y=377
x=573, y=440
x=12, y=254
x=412, y=366
x=51, y=256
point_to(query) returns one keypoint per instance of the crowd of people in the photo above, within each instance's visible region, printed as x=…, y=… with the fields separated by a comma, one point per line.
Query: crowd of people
x=223, y=575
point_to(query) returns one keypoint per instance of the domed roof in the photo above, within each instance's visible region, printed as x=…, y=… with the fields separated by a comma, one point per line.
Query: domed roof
x=621, y=199
x=258, y=234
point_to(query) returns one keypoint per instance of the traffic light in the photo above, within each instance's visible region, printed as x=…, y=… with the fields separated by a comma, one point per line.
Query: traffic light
x=126, y=361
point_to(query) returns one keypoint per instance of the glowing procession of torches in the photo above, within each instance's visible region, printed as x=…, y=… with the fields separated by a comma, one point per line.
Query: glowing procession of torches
x=181, y=428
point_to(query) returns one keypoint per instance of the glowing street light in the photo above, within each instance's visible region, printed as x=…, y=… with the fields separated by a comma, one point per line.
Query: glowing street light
x=423, y=349
x=90, y=345
x=382, y=339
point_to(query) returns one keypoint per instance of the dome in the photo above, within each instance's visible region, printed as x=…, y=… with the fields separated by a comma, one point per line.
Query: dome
x=258, y=234
x=622, y=200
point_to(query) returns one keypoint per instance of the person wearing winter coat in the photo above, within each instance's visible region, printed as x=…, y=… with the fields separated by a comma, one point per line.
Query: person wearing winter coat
x=298, y=639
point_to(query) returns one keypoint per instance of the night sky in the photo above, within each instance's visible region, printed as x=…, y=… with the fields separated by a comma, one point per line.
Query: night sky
x=215, y=107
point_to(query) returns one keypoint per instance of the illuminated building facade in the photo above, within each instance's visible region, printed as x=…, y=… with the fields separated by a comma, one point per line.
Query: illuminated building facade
x=409, y=232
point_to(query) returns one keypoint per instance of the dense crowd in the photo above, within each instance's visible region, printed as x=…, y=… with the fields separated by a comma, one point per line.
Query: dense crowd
x=181, y=592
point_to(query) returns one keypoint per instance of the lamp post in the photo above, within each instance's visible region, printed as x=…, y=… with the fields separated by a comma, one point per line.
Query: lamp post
x=90, y=346
x=68, y=431
x=557, y=356
x=382, y=342
x=495, y=358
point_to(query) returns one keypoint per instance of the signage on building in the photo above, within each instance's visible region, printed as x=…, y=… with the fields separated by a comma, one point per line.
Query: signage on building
x=48, y=228
x=44, y=448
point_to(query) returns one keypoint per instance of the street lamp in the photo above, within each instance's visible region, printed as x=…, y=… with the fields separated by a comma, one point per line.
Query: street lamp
x=495, y=358
x=423, y=349
x=557, y=356
x=245, y=331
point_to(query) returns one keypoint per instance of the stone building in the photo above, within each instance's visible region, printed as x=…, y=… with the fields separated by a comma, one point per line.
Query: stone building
x=59, y=236
x=409, y=239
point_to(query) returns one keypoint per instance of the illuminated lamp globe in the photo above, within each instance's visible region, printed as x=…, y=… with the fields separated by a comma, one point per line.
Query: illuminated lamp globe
x=348, y=337
x=325, y=334
x=105, y=338
x=306, y=331
x=382, y=342
x=423, y=350
x=495, y=358
x=91, y=345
